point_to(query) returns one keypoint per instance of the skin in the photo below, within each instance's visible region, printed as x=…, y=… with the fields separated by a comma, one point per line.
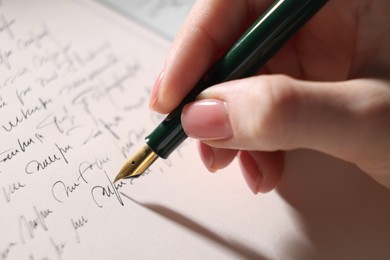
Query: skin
x=328, y=89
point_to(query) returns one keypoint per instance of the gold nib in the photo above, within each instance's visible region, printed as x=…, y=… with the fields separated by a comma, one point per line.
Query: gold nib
x=137, y=164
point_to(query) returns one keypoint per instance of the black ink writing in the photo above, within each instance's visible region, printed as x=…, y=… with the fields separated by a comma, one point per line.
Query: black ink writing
x=2, y=103
x=25, y=114
x=10, y=80
x=107, y=191
x=58, y=121
x=12, y=189
x=34, y=38
x=78, y=224
x=6, y=26
x=88, y=166
x=60, y=59
x=5, y=58
x=22, y=145
x=28, y=227
x=5, y=253
x=21, y=94
x=63, y=151
x=60, y=190
x=36, y=166
x=133, y=138
x=32, y=257
x=91, y=55
x=136, y=105
x=92, y=135
x=110, y=126
x=131, y=72
x=59, y=248
x=44, y=81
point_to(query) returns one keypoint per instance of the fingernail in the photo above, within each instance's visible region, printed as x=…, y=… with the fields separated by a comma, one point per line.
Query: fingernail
x=207, y=156
x=252, y=174
x=154, y=95
x=206, y=120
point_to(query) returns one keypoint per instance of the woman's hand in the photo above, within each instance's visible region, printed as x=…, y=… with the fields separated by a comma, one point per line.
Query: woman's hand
x=328, y=89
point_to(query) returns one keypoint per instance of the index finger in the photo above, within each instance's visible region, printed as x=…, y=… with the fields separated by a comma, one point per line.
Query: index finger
x=210, y=28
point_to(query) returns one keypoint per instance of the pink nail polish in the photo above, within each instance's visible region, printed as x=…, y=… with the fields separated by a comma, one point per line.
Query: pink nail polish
x=207, y=119
x=154, y=94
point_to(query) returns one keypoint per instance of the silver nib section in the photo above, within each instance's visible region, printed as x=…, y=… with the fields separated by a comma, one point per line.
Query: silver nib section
x=137, y=164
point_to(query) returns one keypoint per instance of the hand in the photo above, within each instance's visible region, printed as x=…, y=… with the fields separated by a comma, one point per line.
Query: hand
x=327, y=89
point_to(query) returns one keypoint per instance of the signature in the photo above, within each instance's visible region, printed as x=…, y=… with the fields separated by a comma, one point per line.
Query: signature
x=111, y=189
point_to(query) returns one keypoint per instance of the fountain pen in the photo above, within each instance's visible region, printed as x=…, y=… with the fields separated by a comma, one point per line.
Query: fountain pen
x=251, y=51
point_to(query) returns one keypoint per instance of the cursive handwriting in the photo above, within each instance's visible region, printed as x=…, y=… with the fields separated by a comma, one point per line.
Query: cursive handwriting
x=32, y=257
x=35, y=166
x=91, y=55
x=5, y=58
x=14, y=77
x=110, y=189
x=22, y=94
x=12, y=189
x=92, y=134
x=58, y=247
x=137, y=105
x=78, y=224
x=34, y=38
x=46, y=80
x=2, y=103
x=25, y=114
x=60, y=190
x=133, y=137
x=88, y=166
x=58, y=121
x=5, y=253
x=109, y=126
x=68, y=98
x=58, y=58
x=118, y=83
x=28, y=227
x=6, y=26
x=21, y=147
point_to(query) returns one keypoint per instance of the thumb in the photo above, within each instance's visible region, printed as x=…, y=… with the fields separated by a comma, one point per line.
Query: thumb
x=349, y=120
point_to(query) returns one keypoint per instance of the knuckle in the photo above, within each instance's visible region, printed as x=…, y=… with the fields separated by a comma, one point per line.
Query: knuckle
x=279, y=108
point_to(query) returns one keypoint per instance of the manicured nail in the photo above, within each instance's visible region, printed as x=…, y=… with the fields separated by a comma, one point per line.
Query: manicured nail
x=252, y=174
x=207, y=156
x=154, y=95
x=206, y=120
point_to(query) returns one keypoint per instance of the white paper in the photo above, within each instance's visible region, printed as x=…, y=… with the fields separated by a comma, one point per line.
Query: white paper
x=74, y=86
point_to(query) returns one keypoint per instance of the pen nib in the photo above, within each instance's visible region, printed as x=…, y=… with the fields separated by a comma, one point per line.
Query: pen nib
x=137, y=164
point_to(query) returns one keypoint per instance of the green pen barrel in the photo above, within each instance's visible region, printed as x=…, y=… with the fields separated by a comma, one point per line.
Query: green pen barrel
x=252, y=50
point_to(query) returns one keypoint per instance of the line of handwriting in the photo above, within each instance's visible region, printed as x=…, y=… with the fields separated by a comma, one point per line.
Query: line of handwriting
x=21, y=147
x=35, y=166
x=25, y=114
